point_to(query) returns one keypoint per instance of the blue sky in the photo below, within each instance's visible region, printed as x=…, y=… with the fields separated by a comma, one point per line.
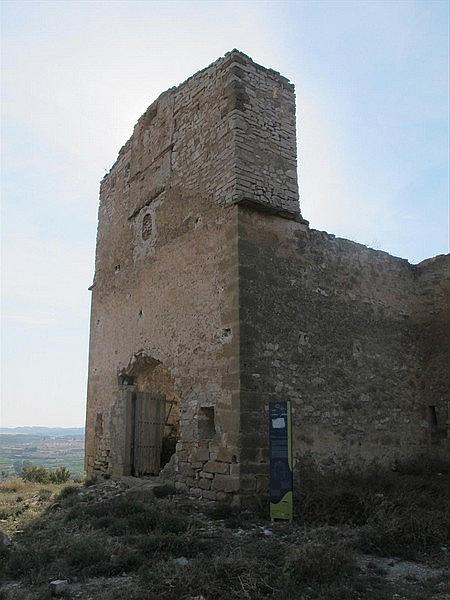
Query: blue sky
x=372, y=101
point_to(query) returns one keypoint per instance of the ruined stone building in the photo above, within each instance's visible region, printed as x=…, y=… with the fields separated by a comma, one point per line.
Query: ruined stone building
x=212, y=296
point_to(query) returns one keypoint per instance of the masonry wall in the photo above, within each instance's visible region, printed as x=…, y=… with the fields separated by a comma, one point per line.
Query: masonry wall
x=165, y=286
x=334, y=327
x=265, y=138
x=165, y=310
x=210, y=288
x=432, y=320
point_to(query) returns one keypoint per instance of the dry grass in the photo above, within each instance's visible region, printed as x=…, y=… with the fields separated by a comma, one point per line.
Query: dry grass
x=134, y=542
x=402, y=512
x=12, y=486
x=23, y=501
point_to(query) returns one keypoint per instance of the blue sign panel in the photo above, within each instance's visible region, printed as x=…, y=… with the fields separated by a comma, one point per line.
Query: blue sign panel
x=281, y=480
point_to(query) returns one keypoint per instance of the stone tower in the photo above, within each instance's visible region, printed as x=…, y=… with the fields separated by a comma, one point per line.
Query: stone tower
x=212, y=296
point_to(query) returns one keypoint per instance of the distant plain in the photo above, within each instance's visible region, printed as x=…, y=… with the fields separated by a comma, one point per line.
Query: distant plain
x=49, y=447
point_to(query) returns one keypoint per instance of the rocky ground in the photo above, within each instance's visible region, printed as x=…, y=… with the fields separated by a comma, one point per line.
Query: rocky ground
x=131, y=540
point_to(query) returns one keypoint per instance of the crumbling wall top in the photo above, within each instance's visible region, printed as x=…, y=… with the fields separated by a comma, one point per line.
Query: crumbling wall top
x=228, y=131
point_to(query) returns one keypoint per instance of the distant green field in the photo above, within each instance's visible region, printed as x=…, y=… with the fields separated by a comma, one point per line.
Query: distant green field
x=18, y=450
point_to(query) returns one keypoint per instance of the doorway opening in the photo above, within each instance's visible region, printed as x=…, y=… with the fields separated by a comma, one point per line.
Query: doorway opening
x=154, y=416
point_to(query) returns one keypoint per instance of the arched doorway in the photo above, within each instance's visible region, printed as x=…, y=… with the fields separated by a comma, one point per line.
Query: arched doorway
x=153, y=414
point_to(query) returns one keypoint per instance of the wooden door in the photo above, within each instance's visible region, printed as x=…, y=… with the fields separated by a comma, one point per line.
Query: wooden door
x=149, y=417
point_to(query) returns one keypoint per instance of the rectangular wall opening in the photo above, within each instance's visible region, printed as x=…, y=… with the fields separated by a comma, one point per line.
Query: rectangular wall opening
x=432, y=418
x=206, y=423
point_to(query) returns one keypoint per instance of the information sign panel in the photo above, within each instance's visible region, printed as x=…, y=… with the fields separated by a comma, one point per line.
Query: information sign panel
x=281, y=480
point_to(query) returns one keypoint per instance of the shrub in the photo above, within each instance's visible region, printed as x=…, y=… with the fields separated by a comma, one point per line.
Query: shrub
x=35, y=473
x=40, y=474
x=402, y=511
x=162, y=491
x=29, y=561
x=11, y=512
x=404, y=530
x=59, y=475
x=221, y=511
x=164, y=544
x=69, y=490
x=44, y=494
x=86, y=550
x=316, y=562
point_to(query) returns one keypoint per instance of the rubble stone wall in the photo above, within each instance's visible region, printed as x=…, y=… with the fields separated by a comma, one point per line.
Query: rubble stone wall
x=211, y=288
x=165, y=286
x=334, y=327
x=432, y=319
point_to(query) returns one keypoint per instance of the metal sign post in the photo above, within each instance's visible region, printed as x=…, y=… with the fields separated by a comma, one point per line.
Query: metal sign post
x=281, y=479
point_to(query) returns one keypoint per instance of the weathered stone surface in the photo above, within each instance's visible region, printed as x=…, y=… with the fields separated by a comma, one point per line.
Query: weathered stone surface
x=212, y=292
x=226, y=455
x=164, y=305
x=204, y=484
x=216, y=467
x=225, y=483
x=345, y=334
x=209, y=495
x=58, y=587
x=200, y=454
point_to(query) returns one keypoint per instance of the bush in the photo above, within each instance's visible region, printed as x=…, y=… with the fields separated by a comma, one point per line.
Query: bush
x=316, y=562
x=29, y=561
x=165, y=545
x=59, y=475
x=402, y=512
x=69, y=490
x=40, y=474
x=162, y=491
x=11, y=512
x=221, y=511
x=44, y=494
x=85, y=551
x=404, y=530
x=35, y=473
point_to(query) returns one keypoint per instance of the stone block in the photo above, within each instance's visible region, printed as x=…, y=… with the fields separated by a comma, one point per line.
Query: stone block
x=58, y=587
x=216, y=467
x=186, y=469
x=248, y=483
x=235, y=469
x=226, y=455
x=200, y=455
x=209, y=495
x=254, y=469
x=226, y=483
x=204, y=484
x=205, y=475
